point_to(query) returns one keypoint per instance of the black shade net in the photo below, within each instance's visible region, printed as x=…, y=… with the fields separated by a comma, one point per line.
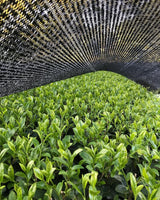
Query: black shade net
x=42, y=41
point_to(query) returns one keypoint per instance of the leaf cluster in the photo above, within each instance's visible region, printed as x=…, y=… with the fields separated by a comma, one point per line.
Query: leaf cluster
x=94, y=136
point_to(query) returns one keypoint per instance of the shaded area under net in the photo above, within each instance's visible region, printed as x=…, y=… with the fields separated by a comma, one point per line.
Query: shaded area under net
x=43, y=41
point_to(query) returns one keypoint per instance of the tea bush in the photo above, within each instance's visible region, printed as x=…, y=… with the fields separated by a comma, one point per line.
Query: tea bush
x=94, y=136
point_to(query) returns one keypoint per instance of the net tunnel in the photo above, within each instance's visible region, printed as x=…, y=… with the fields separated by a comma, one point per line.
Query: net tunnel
x=43, y=41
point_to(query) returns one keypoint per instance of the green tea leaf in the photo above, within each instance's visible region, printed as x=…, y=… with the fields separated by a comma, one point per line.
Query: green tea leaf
x=158, y=193
x=60, y=144
x=38, y=173
x=20, y=174
x=56, y=195
x=121, y=189
x=145, y=175
x=75, y=167
x=59, y=187
x=133, y=183
x=32, y=190
x=22, y=167
x=93, y=180
x=47, y=155
x=11, y=172
x=1, y=172
x=18, y=191
x=86, y=156
x=75, y=153
x=75, y=187
x=139, y=188
x=101, y=153
x=3, y=152
x=62, y=161
x=30, y=165
x=11, y=146
x=93, y=193
x=41, y=185
x=2, y=187
x=12, y=196
x=50, y=174
x=85, y=180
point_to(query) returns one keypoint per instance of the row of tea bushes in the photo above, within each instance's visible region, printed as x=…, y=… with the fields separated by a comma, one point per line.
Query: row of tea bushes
x=95, y=136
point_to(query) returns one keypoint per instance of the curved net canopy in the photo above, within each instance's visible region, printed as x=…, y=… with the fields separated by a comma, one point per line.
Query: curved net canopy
x=43, y=41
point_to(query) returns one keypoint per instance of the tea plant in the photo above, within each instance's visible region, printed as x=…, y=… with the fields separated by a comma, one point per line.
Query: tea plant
x=94, y=136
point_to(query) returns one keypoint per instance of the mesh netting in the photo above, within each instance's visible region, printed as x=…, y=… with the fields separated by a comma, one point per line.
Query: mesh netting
x=43, y=41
